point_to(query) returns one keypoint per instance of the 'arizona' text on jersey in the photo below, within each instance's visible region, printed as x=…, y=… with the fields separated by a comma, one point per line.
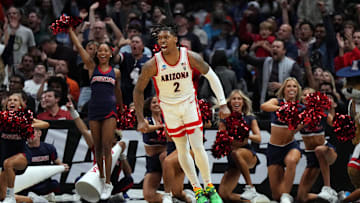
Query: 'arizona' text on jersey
x=173, y=83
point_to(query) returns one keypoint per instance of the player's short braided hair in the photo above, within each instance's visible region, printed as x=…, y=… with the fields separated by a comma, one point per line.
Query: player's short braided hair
x=172, y=28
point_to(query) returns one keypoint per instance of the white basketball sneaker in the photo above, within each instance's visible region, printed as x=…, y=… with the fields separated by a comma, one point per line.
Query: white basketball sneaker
x=106, y=193
x=328, y=194
x=36, y=198
x=166, y=198
x=249, y=193
x=9, y=199
x=286, y=198
x=260, y=198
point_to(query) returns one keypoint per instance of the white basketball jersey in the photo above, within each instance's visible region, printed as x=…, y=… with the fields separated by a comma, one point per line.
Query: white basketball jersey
x=173, y=84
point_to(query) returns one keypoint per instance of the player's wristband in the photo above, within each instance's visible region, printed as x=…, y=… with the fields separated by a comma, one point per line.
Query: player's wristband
x=74, y=114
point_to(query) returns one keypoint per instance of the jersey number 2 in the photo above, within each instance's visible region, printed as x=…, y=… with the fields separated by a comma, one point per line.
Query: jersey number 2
x=177, y=85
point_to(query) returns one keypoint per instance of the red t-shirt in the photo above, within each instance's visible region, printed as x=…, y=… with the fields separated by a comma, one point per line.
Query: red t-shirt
x=346, y=60
x=61, y=115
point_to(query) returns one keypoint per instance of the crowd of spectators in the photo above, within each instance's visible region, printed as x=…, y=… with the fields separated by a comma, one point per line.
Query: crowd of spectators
x=252, y=45
x=315, y=38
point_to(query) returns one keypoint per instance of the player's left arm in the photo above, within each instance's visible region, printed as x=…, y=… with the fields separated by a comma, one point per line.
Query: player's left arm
x=118, y=93
x=197, y=62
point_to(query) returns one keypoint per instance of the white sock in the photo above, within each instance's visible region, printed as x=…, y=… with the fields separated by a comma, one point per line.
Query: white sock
x=186, y=161
x=201, y=157
x=10, y=192
x=103, y=181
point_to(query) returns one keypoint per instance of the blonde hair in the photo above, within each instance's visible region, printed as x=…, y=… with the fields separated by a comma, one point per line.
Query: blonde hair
x=247, y=105
x=22, y=103
x=312, y=90
x=266, y=25
x=280, y=93
x=332, y=80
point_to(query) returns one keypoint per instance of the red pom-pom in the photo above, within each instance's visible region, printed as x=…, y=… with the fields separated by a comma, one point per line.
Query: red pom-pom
x=222, y=144
x=289, y=113
x=316, y=104
x=17, y=122
x=344, y=127
x=126, y=118
x=63, y=23
x=156, y=48
x=205, y=109
x=161, y=135
x=237, y=127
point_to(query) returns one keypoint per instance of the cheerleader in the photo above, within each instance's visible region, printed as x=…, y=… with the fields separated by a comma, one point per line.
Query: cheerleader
x=319, y=156
x=283, y=152
x=242, y=156
x=14, y=155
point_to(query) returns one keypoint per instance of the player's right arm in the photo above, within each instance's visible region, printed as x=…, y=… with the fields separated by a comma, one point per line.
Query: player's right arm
x=147, y=71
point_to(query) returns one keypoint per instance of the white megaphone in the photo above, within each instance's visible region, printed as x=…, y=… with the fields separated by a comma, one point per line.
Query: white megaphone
x=34, y=175
x=89, y=187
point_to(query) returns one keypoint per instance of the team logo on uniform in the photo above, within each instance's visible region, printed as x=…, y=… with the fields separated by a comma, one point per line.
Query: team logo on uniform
x=163, y=67
x=184, y=65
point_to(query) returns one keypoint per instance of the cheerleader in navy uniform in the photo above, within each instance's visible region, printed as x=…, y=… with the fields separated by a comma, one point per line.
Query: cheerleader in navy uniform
x=283, y=152
x=242, y=156
x=155, y=148
x=105, y=94
x=14, y=155
x=319, y=156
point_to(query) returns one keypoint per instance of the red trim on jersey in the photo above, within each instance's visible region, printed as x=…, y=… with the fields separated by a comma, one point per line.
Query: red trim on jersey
x=156, y=88
x=179, y=59
x=179, y=134
x=175, y=130
x=196, y=123
x=191, y=131
x=108, y=71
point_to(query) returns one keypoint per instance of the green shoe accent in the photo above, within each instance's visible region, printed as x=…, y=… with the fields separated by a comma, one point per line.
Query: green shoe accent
x=214, y=197
x=200, y=196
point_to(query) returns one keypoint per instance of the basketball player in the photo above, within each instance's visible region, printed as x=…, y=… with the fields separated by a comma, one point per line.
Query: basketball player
x=171, y=70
